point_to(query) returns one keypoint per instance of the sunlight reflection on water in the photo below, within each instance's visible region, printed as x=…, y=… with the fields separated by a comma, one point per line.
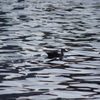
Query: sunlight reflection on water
x=28, y=29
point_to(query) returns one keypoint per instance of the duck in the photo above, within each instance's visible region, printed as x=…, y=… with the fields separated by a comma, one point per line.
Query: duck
x=55, y=54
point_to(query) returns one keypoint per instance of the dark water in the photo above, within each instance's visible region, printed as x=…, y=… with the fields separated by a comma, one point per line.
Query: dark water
x=29, y=28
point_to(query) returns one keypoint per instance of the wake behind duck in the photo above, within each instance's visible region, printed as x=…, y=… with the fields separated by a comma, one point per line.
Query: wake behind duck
x=51, y=56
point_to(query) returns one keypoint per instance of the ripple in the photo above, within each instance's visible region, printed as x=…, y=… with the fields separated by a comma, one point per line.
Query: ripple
x=29, y=29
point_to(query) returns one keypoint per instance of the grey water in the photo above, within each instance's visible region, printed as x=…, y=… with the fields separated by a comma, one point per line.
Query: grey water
x=30, y=28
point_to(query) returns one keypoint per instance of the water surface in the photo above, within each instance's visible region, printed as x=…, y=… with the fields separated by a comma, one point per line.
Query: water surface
x=30, y=28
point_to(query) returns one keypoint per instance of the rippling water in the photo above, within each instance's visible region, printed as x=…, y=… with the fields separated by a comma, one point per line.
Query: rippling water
x=29, y=28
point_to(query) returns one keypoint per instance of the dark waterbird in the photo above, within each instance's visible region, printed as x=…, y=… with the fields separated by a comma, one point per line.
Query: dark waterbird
x=54, y=54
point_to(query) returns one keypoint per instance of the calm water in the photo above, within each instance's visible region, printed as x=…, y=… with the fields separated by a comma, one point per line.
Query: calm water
x=30, y=28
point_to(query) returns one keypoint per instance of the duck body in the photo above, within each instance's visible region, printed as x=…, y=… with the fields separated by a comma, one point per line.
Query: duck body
x=53, y=54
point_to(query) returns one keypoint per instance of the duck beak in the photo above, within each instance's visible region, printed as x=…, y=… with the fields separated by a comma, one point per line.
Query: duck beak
x=64, y=50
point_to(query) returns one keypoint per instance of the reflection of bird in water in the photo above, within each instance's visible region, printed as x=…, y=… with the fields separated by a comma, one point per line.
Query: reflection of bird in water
x=54, y=54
